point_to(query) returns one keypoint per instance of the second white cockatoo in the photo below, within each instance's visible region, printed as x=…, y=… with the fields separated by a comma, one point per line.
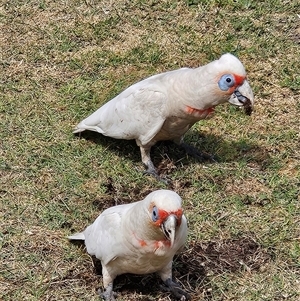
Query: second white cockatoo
x=166, y=105
x=138, y=238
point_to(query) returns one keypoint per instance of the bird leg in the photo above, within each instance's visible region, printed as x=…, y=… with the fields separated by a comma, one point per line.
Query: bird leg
x=108, y=280
x=175, y=289
x=151, y=170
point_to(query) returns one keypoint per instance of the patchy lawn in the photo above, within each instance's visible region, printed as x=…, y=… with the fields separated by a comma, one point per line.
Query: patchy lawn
x=61, y=60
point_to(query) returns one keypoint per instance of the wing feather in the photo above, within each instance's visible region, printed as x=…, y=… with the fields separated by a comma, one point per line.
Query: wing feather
x=136, y=113
x=104, y=237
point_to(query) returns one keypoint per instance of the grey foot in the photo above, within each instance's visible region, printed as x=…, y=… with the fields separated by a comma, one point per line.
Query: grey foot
x=108, y=294
x=176, y=291
x=151, y=170
x=194, y=152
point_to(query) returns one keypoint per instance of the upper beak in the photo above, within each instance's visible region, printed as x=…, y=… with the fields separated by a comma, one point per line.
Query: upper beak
x=169, y=228
x=243, y=96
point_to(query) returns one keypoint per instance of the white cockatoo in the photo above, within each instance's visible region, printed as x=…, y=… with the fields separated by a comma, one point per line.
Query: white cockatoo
x=138, y=238
x=166, y=105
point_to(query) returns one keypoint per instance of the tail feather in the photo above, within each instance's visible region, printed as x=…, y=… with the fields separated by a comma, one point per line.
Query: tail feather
x=80, y=127
x=77, y=236
x=78, y=130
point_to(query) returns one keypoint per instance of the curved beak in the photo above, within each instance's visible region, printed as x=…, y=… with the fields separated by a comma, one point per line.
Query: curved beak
x=243, y=96
x=169, y=228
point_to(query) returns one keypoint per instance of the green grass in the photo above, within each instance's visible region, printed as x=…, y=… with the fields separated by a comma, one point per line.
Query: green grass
x=61, y=60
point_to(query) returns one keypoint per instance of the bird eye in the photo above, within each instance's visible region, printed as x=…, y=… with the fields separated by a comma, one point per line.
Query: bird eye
x=155, y=214
x=226, y=82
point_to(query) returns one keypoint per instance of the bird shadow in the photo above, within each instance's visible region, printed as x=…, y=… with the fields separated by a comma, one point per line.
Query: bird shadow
x=124, y=148
x=166, y=155
x=193, y=267
x=150, y=286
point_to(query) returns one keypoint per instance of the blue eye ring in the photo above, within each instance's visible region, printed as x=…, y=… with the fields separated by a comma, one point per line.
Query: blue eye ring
x=155, y=216
x=226, y=82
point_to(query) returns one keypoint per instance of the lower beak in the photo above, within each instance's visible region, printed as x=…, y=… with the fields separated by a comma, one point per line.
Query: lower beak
x=169, y=228
x=243, y=96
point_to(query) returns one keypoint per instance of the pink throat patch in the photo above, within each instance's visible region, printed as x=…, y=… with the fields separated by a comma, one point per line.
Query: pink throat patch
x=156, y=244
x=197, y=112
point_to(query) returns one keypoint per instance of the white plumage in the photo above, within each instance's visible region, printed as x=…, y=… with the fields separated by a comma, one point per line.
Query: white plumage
x=139, y=238
x=166, y=105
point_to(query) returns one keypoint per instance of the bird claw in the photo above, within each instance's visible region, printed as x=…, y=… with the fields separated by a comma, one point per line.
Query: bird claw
x=175, y=290
x=152, y=171
x=157, y=177
x=108, y=294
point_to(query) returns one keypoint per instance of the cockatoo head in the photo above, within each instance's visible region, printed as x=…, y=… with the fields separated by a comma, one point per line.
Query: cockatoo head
x=232, y=81
x=164, y=213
